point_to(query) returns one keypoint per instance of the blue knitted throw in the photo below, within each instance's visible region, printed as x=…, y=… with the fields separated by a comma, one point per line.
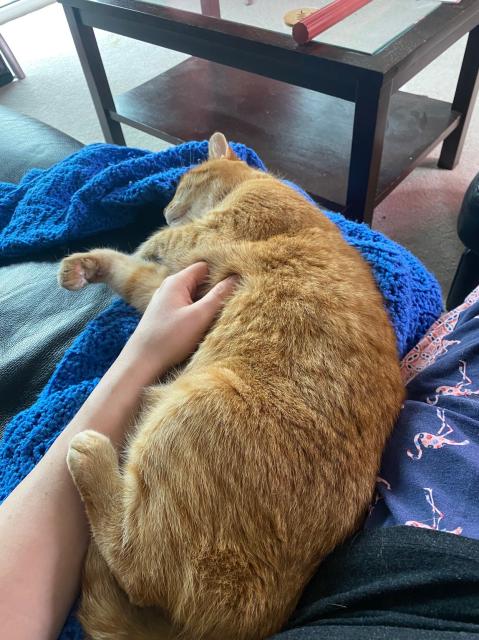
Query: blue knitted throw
x=104, y=187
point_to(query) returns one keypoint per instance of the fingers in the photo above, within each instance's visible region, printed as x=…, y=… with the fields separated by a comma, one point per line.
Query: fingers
x=215, y=298
x=191, y=277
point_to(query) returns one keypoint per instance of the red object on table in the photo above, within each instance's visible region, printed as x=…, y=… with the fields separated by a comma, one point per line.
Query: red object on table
x=317, y=22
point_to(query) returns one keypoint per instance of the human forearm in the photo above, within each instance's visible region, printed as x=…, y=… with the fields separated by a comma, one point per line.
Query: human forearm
x=113, y=403
x=43, y=528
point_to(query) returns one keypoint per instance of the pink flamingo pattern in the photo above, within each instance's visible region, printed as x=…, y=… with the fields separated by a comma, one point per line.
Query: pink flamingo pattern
x=424, y=440
x=460, y=389
x=434, y=344
x=414, y=485
x=423, y=355
x=437, y=516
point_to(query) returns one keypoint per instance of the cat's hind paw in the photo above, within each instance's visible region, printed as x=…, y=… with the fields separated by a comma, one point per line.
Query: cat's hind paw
x=93, y=464
x=89, y=453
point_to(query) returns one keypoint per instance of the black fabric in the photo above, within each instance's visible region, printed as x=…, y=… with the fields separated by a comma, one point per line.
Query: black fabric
x=397, y=582
x=26, y=143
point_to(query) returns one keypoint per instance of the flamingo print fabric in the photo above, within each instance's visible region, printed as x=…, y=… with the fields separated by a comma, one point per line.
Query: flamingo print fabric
x=430, y=468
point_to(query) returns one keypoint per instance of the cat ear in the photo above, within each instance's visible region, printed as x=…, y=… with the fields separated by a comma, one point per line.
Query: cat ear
x=218, y=147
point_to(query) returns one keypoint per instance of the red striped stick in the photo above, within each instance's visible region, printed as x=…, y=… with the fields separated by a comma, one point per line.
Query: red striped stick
x=314, y=24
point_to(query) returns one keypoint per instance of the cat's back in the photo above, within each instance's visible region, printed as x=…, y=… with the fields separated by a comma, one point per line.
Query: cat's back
x=304, y=290
x=294, y=264
x=307, y=326
x=306, y=346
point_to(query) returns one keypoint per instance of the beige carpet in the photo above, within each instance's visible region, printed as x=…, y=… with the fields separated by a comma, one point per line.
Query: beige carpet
x=421, y=213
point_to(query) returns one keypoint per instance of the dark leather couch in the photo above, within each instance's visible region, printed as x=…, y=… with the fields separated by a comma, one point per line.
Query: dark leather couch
x=27, y=143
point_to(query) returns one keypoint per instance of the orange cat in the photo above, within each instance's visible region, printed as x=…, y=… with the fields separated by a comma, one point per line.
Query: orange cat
x=261, y=456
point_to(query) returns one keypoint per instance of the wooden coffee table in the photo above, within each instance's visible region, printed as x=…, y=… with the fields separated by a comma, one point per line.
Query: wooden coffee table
x=329, y=118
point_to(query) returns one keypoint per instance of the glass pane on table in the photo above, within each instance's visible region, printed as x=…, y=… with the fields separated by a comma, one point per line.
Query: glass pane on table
x=367, y=30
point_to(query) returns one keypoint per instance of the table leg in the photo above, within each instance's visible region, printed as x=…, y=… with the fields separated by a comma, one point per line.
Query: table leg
x=211, y=8
x=464, y=99
x=92, y=65
x=370, y=117
x=10, y=59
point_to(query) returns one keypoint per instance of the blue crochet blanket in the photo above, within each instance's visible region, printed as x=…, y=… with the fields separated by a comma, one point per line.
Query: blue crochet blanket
x=104, y=187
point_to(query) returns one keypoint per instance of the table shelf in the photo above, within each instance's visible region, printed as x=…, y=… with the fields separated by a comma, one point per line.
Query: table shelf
x=300, y=134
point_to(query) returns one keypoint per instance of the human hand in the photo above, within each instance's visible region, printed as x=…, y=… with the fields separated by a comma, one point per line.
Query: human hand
x=173, y=324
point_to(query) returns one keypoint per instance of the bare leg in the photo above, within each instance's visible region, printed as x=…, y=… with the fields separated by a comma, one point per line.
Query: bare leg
x=134, y=279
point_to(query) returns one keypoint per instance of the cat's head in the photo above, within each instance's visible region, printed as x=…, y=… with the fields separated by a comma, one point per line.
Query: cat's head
x=203, y=188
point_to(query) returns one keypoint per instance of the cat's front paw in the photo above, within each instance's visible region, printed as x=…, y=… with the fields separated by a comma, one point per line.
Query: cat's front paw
x=77, y=270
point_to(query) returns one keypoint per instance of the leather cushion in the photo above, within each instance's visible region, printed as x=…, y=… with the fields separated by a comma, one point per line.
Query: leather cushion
x=39, y=321
x=468, y=221
x=26, y=143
